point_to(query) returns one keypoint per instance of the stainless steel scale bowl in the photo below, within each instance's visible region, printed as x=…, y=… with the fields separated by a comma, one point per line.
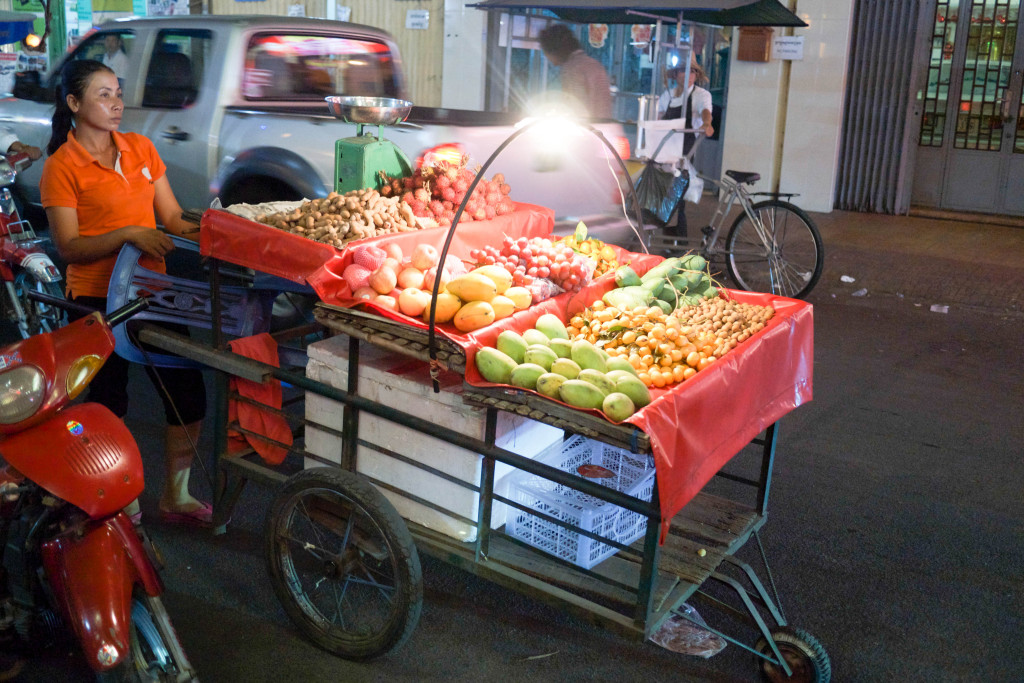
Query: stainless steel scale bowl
x=378, y=111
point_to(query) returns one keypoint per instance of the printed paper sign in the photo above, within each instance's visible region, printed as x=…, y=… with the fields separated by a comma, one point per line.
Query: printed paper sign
x=788, y=47
x=417, y=18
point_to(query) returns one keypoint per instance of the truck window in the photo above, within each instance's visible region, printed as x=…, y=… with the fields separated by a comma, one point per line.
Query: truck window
x=110, y=47
x=174, y=77
x=310, y=67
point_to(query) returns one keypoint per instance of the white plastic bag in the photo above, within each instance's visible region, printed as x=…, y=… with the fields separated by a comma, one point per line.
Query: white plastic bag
x=696, y=189
x=683, y=636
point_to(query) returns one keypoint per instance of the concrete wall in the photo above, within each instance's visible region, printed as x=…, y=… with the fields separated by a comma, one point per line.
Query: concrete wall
x=784, y=118
x=465, y=48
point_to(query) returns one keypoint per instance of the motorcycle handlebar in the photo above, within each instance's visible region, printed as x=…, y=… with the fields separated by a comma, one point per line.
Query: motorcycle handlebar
x=114, y=319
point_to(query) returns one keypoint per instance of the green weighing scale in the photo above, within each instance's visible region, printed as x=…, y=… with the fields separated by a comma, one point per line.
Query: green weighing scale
x=359, y=160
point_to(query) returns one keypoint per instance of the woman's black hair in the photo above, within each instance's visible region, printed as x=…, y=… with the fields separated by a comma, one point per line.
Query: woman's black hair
x=559, y=41
x=74, y=79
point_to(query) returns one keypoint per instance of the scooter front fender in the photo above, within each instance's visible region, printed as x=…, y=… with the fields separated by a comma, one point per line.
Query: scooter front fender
x=92, y=573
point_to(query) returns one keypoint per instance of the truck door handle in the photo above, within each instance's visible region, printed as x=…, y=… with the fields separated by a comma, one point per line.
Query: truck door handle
x=175, y=133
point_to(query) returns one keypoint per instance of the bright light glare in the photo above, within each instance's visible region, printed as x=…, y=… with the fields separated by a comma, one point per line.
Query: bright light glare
x=673, y=60
x=549, y=138
x=32, y=40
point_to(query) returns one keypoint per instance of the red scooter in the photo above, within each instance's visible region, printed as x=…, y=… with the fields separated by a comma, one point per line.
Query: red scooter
x=72, y=559
x=24, y=264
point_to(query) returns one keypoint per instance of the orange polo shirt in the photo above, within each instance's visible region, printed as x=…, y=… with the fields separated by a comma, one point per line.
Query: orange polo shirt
x=104, y=200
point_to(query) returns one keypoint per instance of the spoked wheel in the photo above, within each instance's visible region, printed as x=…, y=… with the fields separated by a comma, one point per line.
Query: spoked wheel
x=782, y=254
x=343, y=563
x=39, y=317
x=156, y=655
x=803, y=653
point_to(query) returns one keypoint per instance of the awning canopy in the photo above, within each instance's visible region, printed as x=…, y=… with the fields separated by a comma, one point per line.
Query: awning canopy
x=14, y=26
x=713, y=12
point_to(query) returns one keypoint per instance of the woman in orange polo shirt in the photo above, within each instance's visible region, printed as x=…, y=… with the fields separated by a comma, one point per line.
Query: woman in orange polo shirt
x=102, y=189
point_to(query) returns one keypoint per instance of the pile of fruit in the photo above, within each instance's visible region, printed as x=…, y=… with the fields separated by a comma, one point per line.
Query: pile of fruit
x=341, y=218
x=602, y=254
x=437, y=190
x=666, y=349
x=546, y=360
x=467, y=299
x=672, y=283
x=529, y=260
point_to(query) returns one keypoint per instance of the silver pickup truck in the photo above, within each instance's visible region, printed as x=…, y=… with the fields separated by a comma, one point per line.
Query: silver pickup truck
x=235, y=106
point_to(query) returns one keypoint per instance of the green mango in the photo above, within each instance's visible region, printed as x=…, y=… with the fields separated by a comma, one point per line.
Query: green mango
x=626, y=277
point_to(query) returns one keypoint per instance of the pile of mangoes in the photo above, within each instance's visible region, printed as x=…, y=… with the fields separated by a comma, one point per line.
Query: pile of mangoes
x=545, y=360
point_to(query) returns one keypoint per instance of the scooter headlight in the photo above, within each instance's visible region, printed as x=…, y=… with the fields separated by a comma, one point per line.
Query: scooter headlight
x=81, y=373
x=22, y=390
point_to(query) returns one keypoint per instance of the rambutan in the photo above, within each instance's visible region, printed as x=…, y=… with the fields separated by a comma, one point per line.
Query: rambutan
x=498, y=178
x=436, y=208
x=422, y=195
x=489, y=212
x=505, y=188
x=493, y=198
x=448, y=194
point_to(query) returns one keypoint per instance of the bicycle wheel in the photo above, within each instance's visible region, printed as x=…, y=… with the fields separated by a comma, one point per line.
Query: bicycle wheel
x=343, y=563
x=781, y=253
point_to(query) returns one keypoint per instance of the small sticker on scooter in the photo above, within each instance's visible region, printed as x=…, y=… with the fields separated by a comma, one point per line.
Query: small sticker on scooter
x=8, y=360
x=75, y=428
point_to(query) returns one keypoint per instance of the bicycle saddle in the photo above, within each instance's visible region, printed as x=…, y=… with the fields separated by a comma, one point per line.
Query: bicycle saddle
x=743, y=177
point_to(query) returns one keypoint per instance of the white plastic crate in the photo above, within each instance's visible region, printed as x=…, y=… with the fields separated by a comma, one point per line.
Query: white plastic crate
x=404, y=383
x=623, y=471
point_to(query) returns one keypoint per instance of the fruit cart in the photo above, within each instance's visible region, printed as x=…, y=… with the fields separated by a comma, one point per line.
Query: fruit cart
x=403, y=448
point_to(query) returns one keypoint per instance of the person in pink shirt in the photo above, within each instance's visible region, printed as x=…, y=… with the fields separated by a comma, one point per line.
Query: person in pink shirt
x=582, y=77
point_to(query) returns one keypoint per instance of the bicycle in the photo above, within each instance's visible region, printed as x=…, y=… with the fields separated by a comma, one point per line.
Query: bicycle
x=772, y=246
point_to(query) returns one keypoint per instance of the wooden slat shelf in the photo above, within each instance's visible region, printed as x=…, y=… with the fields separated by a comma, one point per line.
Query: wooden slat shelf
x=390, y=335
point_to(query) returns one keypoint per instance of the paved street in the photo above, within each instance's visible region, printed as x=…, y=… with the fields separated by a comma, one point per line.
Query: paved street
x=896, y=524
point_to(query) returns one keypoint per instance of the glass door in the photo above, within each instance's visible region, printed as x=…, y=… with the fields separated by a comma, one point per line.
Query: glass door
x=971, y=141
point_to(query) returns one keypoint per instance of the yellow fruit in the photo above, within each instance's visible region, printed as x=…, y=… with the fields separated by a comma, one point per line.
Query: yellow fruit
x=503, y=307
x=501, y=277
x=447, y=306
x=473, y=316
x=549, y=383
x=473, y=287
x=520, y=296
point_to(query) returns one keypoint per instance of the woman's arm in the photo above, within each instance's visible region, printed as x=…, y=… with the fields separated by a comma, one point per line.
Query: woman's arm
x=168, y=211
x=74, y=248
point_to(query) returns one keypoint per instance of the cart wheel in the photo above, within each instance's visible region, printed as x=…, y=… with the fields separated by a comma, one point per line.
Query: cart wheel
x=343, y=563
x=803, y=653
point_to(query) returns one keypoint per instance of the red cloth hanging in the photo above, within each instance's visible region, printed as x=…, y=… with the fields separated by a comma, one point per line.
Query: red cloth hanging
x=263, y=348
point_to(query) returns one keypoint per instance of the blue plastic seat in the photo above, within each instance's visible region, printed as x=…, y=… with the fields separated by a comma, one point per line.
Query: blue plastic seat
x=244, y=310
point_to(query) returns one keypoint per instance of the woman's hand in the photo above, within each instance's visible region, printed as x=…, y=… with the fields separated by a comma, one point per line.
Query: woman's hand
x=149, y=241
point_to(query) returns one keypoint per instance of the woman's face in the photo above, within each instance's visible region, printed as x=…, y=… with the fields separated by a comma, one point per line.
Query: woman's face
x=101, y=105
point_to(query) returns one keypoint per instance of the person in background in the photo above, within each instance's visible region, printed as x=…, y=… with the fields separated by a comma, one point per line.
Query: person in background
x=691, y=103
x=102, y=189
x=582, y=77
x=687, y=101
x=9, y=144
x=114, y=57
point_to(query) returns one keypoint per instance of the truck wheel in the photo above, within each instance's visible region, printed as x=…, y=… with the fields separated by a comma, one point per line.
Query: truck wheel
x=343, y=563
x=803, y=653
x=259, y=189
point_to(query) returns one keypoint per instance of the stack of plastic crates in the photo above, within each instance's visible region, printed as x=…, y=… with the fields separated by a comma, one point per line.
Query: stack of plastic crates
x=616, y=468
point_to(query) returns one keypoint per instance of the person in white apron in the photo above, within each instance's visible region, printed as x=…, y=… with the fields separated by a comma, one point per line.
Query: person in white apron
x=691, y=103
